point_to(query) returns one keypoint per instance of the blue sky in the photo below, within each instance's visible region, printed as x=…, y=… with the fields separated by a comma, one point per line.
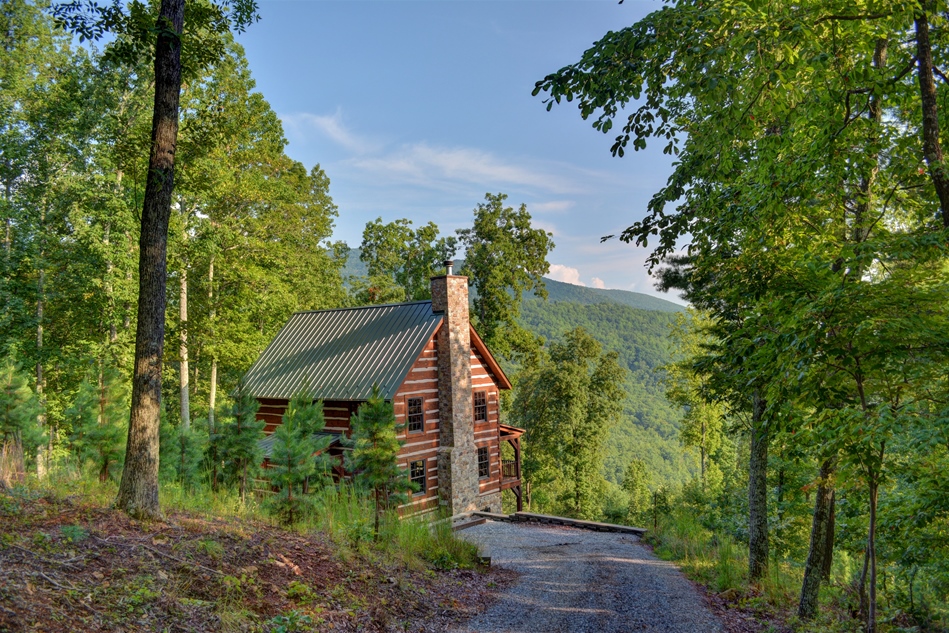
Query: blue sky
x=417, y=108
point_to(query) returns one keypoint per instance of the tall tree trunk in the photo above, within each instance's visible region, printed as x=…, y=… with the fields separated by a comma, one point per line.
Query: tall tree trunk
x=862, y=583
x=183, y=349
x=828, y=563
x=41, y=452
x=138, y=491
x=212, y=392
x=702, y=453
x=873, y=481
x=817, y=554
x=932, y=150
x=758, y=492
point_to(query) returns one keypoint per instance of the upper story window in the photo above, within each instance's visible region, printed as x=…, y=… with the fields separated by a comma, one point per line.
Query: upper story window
x=481, y=406
x=416, y=415
x=417, y=475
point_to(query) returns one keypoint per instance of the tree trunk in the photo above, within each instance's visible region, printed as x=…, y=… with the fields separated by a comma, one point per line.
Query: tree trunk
x=212, y=392
x=872, y=556
x=138, y=491
x=41, y=452
x=817, y=554
x=758, y=492
x=702, y=454
x=829, y=545
x=932, y=150
x=183, y=349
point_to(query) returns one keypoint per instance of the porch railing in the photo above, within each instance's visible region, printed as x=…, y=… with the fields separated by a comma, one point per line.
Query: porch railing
x=509, y=469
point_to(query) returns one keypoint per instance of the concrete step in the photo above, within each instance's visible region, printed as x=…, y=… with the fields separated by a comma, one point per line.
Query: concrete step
x=465, y=524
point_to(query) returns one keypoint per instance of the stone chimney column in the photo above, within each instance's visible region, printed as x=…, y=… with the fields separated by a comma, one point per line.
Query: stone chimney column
x=457, y=458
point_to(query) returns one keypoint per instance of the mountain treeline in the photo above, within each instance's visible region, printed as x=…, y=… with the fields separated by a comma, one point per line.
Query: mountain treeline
x=648, y=427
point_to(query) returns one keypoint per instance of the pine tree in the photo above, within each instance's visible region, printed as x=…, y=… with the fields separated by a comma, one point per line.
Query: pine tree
x=19, y=433
x=99, y=416
x=238, y=440
x=375, y=449
x=298, y=454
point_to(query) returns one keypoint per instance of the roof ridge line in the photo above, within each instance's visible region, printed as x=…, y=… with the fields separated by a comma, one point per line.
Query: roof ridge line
x=381, y=305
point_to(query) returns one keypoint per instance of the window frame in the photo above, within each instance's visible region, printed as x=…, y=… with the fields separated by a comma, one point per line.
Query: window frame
x=475, y=405
x=486, y=451
x=409, y=414
x=424, y=476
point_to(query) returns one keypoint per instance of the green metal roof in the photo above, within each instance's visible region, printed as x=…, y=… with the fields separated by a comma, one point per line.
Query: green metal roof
x=341, y=354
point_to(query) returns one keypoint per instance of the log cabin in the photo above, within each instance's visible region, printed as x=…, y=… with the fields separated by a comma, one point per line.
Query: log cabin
x=429, y=362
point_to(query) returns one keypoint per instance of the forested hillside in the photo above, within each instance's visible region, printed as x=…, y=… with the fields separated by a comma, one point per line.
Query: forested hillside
x=649, y=426
x=560, y=291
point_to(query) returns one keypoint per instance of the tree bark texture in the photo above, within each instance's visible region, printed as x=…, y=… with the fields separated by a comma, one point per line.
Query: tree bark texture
x=183, y=349
x=821, y=538
x=758, y=492
x=829, y=545
x=932, y=150
x=138, y=490
x=872, y=555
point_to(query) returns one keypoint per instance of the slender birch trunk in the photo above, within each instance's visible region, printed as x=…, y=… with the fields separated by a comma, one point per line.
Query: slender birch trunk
x=212, y=391
x=42, y=453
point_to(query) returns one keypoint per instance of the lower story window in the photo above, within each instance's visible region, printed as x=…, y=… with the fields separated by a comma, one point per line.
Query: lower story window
x=484, y=466
x=417, y=474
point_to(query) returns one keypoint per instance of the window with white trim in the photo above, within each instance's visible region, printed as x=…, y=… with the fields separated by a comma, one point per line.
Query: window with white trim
x=481, y=406
x=415, y=415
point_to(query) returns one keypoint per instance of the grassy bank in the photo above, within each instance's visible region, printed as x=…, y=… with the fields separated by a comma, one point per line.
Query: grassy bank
x=70, y=562
x=720, y=564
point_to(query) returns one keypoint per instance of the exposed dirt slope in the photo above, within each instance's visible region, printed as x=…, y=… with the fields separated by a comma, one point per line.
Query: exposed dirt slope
x=69, y=566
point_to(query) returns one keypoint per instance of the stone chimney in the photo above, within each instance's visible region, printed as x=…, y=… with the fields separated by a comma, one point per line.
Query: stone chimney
x=457, y=458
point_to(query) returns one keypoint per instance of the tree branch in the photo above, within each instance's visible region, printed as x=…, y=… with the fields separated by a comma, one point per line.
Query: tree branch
x=847, y=18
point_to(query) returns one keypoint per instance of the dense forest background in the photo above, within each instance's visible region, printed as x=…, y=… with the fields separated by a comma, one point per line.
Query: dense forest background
x=797, y=415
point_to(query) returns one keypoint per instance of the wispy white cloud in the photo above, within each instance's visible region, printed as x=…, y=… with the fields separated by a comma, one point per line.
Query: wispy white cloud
x=438, y=167
x=566, y=274
x=302, y=125
x=553, y=206
x=598, y=283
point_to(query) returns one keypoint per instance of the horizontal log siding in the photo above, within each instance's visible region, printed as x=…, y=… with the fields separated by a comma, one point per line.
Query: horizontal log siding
x=421, y=382
x=486, y=433
x=335, y=412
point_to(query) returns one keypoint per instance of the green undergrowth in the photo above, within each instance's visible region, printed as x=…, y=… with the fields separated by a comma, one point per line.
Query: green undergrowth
x=341, y=513
x=720, y=563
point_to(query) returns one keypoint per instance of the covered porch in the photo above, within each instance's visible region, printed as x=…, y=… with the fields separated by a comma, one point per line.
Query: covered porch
x=511, y=468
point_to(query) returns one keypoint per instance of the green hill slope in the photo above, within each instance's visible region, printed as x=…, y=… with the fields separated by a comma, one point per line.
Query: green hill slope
x=558, y=291
x=649, y=426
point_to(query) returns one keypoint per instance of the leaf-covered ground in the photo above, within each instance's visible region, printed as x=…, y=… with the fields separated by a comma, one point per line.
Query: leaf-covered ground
x=67, y=565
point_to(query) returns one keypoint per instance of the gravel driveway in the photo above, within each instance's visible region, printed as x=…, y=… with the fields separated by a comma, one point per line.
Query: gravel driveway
x=581, y=581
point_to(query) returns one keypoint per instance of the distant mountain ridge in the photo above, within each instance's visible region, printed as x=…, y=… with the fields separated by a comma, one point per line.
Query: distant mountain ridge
x=558, y=291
